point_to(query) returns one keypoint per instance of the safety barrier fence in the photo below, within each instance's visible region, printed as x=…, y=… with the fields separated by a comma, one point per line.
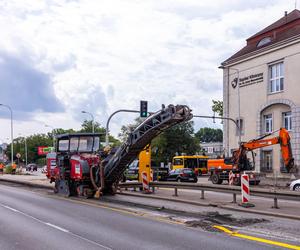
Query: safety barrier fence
x=234, y=190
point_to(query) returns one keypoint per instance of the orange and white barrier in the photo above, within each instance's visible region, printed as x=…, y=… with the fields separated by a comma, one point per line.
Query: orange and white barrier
x=245, y=188
x=146, y=188
x=231, y=177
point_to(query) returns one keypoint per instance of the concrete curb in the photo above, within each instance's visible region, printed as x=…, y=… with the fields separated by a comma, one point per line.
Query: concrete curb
x=27, y=183
x=286, y=216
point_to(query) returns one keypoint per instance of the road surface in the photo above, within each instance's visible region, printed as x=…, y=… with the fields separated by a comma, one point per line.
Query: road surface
x=34, y=220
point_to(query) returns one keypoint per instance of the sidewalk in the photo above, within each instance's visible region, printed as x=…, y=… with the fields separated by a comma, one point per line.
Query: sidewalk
x=30, y=180
x=263, y=206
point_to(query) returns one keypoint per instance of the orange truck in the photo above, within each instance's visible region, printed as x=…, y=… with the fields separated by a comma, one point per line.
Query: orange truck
x=241, y=162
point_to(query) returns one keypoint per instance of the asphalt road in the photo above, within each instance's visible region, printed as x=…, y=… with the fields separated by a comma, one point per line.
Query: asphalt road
x=33, y=220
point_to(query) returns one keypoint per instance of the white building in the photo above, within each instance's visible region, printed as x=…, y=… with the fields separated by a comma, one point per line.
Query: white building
x=213, y=149
x=268, y=68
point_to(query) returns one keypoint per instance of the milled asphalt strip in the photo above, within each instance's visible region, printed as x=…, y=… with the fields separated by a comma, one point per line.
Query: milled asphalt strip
x=55, y=227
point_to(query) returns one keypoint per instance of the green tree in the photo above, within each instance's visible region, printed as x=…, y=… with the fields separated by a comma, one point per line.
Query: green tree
x=126, y=130
x=209, y=135
x=217, y=107
x=175, y=141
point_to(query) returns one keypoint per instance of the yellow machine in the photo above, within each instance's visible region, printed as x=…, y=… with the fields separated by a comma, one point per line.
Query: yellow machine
x=145, y=162
x=196, y=162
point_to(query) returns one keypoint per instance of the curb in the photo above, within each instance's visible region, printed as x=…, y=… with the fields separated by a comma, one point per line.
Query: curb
x=26, y=183
x=286, y=216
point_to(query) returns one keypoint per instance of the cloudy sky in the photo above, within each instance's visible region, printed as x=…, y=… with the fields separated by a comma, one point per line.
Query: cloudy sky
x=58, y=57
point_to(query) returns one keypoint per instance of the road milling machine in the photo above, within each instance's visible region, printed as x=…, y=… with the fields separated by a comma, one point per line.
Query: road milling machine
x=81, y=169
x=243, y=159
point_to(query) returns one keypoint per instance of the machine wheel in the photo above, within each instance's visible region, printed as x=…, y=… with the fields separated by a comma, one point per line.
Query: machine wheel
x=215, y=179
x=297, y=188
x=178, y=180
x=236, y=181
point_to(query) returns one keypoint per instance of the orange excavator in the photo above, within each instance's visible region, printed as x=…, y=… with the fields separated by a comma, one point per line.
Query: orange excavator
x=239, y=162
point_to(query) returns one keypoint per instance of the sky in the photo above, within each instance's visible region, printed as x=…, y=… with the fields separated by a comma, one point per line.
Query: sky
x=59, y=57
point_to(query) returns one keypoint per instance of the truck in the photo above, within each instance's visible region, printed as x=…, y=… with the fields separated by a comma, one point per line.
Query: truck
x=82, y=169
x=243, y=159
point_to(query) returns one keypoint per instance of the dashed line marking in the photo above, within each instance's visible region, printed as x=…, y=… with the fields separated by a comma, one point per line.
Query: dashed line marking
x=56, y=227
x=248, y=237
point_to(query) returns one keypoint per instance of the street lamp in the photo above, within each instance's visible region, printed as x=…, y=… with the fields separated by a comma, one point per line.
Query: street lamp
x=93, y=125
x=25, y=141
x=11, y=131
x=48, y=126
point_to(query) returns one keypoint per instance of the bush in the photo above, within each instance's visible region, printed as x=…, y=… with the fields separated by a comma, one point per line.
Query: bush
x=8, y=169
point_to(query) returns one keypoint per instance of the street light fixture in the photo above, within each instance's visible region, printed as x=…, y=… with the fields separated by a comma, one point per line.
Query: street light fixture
x=93, y=125
x=53, y=135
x=11, y=131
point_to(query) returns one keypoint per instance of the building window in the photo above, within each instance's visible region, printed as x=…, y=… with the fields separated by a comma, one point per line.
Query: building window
x=287, y=120
x=240, y=123
x=268, y=121
x=267, y=161
x=276, y=77
x=264, y=41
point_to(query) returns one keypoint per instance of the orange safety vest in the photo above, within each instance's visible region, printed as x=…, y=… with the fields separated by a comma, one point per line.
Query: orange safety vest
x=1, y=166
x=14, y=166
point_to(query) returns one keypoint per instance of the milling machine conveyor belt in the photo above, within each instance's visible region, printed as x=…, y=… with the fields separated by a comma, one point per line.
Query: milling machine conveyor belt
x=140, y=137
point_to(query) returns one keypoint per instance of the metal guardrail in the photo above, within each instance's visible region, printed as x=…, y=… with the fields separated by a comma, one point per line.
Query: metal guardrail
x=234, y=190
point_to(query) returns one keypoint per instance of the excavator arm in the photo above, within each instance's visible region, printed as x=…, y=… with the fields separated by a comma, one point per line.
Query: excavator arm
x=283, y=139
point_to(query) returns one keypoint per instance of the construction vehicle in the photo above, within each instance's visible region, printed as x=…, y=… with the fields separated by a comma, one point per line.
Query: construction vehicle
x=81, y=169
x=240, y=162
x=196, y=162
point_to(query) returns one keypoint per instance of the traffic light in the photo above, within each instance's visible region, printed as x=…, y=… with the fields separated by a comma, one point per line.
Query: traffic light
x=144, y=109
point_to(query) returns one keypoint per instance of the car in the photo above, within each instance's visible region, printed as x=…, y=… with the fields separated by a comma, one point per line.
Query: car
x=31, y=167
x=182, y=175
x=295, y=185
x=132, y=172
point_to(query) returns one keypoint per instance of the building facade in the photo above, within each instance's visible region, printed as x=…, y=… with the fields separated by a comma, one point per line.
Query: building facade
x=261, y=90
x=212, y=149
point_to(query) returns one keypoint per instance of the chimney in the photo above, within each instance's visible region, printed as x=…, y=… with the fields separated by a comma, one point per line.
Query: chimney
x=285, y=15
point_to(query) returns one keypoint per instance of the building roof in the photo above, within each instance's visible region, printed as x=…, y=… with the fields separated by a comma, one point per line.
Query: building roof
x=284, y=28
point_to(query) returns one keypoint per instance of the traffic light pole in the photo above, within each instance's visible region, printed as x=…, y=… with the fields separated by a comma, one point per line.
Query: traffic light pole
x=109, y=118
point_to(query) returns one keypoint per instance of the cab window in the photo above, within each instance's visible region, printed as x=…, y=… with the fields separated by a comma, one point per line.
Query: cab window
x=63, y=145
x=178, y=162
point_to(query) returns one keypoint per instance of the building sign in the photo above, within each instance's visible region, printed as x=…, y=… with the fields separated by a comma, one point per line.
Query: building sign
x=44, y=150
x=248, y=80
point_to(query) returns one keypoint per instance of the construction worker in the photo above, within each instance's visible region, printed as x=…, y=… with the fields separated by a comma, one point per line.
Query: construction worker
x=1, y=167
x=14, y=167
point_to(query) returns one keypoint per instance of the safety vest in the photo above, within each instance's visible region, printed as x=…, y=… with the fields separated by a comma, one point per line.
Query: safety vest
x=1, y=166
x=14, y=166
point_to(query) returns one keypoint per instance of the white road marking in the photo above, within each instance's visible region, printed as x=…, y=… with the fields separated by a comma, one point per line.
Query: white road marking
x=56, y=227
x=10, y=208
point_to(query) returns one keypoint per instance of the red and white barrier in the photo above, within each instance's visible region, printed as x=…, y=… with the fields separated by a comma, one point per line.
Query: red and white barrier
x=151, y=175
x=245, y=188
x=146, y=188
x=231, y=177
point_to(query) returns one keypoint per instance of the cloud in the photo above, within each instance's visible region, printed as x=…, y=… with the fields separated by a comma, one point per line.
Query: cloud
x=102, y=56
x=25, y=88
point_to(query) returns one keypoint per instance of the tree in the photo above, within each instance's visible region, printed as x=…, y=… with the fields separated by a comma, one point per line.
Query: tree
x=175, y=141
x=217, y=107
x=126, y=130
x=209, y=135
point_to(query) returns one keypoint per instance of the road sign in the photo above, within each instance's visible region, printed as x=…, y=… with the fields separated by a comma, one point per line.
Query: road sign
x=43, y=150
x=18, y=155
